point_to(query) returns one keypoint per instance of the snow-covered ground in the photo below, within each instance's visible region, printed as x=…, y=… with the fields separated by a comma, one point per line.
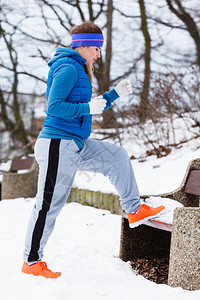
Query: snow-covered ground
x=84, y=247
x=85, y=243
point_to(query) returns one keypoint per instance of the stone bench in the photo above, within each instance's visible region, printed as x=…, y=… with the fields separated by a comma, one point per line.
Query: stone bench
x=17, y=185
x=155, y=240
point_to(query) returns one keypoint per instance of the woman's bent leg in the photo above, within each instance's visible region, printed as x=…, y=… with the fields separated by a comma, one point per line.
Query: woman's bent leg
x=112, y=161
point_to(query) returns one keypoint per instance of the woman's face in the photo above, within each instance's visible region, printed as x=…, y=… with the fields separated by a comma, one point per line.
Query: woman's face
x=90, y=54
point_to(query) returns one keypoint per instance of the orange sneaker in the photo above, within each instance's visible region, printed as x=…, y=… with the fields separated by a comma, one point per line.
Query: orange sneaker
x=143, y=214
x=39, y=269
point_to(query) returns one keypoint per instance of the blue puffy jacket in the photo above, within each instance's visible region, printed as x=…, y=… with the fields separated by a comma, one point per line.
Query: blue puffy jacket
x=68, y=92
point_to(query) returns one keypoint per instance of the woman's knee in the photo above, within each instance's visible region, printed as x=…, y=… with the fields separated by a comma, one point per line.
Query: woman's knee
x=121, y=154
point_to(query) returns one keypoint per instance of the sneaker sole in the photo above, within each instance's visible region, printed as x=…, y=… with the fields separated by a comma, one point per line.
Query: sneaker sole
x=140, y=222
x=42, y=275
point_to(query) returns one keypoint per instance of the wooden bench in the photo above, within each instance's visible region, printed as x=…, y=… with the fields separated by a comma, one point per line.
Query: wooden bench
x=153, y=239
x=21, y=164
x=192, y=187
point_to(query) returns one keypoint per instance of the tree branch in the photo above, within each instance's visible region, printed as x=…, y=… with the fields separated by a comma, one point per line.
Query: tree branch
x=191, y=26
x=24, y=73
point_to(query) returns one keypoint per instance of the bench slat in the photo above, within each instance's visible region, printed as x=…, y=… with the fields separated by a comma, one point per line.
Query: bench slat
x=193, y=183
x=159, y=225
x=21, y=164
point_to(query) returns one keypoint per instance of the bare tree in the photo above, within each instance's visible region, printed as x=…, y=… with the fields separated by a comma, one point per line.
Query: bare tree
x=11, y=114
x=16, y=126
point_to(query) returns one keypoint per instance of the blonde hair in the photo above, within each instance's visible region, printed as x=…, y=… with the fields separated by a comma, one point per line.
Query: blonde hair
x=87, y=27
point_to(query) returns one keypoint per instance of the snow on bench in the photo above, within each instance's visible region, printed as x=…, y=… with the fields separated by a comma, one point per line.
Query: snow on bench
x=165, y=219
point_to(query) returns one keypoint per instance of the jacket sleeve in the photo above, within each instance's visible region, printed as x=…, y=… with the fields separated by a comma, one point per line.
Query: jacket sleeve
x=110, y=96
x=64, y=79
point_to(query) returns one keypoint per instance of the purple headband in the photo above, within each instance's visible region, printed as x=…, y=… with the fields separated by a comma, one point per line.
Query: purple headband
x=87, y=39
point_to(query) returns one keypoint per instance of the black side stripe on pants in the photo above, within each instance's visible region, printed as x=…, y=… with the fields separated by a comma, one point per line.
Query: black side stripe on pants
x=47, y=198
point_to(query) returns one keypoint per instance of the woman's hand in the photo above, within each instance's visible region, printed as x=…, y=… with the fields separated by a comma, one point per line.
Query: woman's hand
x=97, y=105
x=124, y=88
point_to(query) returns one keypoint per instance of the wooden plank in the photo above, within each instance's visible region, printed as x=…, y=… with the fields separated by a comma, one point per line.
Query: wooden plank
x=159, y=225
x=21, y=164
x=193, y=183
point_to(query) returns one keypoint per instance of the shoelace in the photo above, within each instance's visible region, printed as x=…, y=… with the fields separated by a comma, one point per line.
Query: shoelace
x=146, y=206
x=43, y=265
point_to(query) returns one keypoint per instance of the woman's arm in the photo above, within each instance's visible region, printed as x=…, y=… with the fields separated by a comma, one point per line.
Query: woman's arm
x=64, y=79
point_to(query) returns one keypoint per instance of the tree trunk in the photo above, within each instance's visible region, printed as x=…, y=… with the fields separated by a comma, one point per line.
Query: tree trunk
x=109, y=119
x=144, y=103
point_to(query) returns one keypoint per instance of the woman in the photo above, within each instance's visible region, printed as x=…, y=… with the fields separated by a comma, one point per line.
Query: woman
x=63, y=146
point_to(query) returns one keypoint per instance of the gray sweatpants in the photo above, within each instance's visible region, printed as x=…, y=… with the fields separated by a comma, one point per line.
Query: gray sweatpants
x=58, y=161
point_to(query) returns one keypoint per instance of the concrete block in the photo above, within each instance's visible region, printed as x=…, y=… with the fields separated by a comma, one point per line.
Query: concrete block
x=184, y=266
x=16, y=185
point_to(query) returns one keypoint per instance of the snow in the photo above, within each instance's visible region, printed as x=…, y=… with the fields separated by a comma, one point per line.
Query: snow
x=84, y=247
x=166, y=215
x=85, y=243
